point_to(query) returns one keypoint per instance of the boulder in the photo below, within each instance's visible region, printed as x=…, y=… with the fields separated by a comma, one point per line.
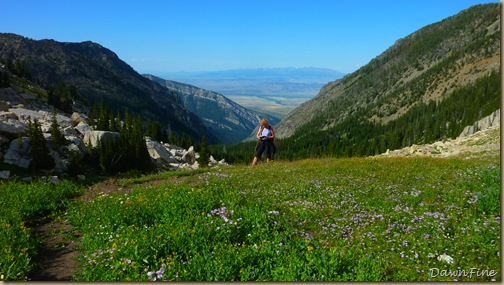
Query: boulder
x=78, y=118
x=54, y=179
x=158, y=152
x=19, y=154
x=5, y=174
x=83, y=128
x=189, y=157
x=76, y=145
x=92, y=138
x=69, y=131
x=8, y=115
x=60, y=164
x=12, y=127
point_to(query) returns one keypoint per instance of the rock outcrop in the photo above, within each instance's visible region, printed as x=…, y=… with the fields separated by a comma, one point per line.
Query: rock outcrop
x=15, y=145
x=483, y=124
x=94, y=138
x=480, y=138
x=18, y=153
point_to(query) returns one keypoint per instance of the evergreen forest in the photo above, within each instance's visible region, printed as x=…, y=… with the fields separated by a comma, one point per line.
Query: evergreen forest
x=357, y=135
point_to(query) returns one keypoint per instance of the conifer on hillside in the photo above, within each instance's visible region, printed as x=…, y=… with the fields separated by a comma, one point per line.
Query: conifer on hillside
x=39, y=149
x=58, y=139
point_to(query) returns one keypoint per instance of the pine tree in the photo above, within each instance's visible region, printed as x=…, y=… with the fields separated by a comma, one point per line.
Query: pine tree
x=103, y=118
x=204, y=153
x=58, y=139
x=39, y=150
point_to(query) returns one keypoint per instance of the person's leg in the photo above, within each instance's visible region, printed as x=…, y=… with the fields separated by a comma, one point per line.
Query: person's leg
x=254, y=161
x=268, y=152
x=260, y=150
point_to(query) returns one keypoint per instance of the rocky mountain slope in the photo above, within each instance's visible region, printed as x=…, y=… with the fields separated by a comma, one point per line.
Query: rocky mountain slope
x=98, y=74
x=427, y=65
x=229, y=121
x=481, y=138
x=17, y=108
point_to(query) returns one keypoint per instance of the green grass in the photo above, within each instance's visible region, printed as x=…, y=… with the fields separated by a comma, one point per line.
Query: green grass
x=20, y=204
x=358, y=219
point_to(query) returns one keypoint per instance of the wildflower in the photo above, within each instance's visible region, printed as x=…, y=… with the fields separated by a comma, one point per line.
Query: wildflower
x=446, y=258
x=310, y=248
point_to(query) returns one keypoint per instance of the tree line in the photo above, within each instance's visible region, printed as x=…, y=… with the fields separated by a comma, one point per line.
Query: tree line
x=358, y=136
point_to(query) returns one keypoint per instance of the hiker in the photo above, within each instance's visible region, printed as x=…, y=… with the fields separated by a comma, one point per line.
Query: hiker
x=265, y=136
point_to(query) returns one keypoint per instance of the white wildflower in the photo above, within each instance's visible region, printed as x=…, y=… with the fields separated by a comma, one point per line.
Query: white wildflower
x=446, y=258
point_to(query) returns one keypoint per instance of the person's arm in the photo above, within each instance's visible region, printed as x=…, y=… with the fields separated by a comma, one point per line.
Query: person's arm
x=258, y=135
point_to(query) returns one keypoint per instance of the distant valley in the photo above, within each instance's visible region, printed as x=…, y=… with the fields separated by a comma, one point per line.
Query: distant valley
x=274, y=91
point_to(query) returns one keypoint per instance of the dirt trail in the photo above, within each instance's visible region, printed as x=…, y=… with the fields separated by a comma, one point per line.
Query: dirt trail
x=59, y=247
x=58, y=254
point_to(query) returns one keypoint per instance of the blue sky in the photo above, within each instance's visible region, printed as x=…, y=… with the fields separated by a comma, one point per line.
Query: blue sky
x=207, y=35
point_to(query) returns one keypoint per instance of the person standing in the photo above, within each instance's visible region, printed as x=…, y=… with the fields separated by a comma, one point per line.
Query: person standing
x=265, y=136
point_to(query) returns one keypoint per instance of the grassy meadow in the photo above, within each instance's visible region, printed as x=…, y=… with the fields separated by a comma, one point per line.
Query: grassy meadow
x=21, y=205
x=355, y=219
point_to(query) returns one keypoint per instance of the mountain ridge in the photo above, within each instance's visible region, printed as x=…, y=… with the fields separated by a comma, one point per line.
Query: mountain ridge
x=98, y=74
x=427, y=64
x=227, y=119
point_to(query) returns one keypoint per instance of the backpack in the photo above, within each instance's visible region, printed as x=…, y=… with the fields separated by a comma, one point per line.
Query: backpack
x=273, y=150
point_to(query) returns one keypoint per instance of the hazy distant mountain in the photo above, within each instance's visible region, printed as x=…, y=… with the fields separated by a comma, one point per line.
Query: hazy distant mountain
x=229, y=121
x=259, y=82
x=99, y=74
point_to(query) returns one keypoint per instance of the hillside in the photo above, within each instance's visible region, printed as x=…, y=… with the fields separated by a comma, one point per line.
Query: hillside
x=229, y=121
x=97, y=74
x=408, y=85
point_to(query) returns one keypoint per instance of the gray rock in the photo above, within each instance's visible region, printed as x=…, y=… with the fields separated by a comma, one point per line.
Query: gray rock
x=76, y=145
x=78, y=118
x=8, y=115
x=12, y=127
x=5, y=174
x=158, y=152
x=83, y=128
x=92, y=138
x=19, y=154
x=54, y=179
x=190, y=156
x=483, y=124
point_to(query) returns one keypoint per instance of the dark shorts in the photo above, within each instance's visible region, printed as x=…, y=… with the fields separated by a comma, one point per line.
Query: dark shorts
x=265, y=146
